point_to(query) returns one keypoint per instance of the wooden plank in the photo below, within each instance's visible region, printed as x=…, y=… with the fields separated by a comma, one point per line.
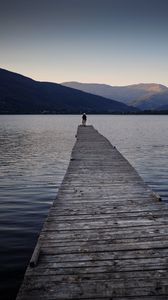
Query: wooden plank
x=106, y=235
x=145, y=274
x=93, y=247
x=94, y=289
x=108, y=224
x=106, y=243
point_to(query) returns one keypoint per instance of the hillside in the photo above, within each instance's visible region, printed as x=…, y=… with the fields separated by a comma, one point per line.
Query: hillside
x=154, y=102
x=20, y=94
x=143, y=96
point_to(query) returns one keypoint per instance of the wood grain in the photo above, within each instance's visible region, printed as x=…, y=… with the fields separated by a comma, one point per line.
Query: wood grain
x=106, y=234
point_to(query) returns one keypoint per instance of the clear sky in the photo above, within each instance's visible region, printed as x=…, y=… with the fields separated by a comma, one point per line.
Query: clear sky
x=117, y=42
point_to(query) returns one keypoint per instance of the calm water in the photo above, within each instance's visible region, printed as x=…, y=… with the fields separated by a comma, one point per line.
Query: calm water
x=34, y=154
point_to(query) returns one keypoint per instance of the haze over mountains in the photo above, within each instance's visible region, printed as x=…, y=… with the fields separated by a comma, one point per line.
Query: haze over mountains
x=20, y=94
x=150, y=96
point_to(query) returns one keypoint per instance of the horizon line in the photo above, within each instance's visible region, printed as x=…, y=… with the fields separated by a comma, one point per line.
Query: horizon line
x=81, y=82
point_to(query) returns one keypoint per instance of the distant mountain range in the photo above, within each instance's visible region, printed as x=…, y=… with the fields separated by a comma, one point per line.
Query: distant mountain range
x=143, y=96
x=20, y=94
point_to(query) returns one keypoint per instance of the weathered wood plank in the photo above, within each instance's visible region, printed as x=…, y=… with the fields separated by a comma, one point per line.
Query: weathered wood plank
x=106, y=243
x=94, y=288
x=106, y=235
x=145, y=275
x=106, y=266
x=90, y=247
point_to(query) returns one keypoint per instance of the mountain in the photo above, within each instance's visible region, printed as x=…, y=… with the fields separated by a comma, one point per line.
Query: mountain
x=158, y=101
x=144, y=96
x=20, y=94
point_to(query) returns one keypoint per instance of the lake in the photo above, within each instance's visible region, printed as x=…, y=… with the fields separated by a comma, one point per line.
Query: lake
x=34, y=155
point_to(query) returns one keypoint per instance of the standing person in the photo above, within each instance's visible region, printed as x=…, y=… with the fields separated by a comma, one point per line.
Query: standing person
x=84, y=119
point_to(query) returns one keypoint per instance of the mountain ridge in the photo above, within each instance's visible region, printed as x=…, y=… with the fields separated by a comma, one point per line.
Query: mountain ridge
x=21, y=94
x=143, y=95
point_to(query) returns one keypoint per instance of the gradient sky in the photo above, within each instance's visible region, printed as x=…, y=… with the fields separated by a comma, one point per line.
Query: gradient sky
x=117, y=42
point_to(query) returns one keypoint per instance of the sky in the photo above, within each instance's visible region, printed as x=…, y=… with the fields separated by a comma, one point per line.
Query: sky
x=117, y=42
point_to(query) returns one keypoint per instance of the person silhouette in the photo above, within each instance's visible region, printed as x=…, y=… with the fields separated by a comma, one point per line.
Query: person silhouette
x=84, y=119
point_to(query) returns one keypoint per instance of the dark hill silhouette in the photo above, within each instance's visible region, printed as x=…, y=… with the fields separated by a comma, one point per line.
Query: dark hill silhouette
x=20, y=94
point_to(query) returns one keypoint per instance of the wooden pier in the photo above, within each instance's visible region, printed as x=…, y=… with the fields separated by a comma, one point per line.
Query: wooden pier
x=106, y=235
